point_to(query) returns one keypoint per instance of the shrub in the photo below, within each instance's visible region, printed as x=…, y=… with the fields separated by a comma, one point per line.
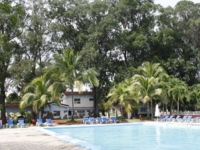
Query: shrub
x=27, y=117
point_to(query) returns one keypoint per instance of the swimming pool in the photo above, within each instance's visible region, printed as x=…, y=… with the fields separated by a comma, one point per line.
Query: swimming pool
x=138, y=136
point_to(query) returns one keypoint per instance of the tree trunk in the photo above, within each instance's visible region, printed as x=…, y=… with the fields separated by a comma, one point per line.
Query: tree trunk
x=178, y=108
x=42, y=112
x=2, y=102
x=171, y=109
x=163, y=108
x=148, y=114
x=96, y=100
x=166, y=108
x=108, y=113
x=72, y=111
x=122, y=113
x=151, y=109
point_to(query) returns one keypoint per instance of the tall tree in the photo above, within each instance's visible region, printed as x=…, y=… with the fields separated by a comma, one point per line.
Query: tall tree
x=34, y=45
x=179, y=45
x=10, y=30
x=194, y=96
x=135, y=23
x=107, y=33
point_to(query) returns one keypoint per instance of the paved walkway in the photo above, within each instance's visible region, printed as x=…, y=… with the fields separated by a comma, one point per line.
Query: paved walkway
x=31, y=139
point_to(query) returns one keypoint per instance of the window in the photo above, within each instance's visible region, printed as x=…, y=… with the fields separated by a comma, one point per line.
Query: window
x=91, y=99
x=77, y=101
x=56, y=113
x=70, y=112
x=143, y=109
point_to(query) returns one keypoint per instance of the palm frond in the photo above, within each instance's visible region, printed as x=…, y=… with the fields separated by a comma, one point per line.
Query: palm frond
x=27, y=100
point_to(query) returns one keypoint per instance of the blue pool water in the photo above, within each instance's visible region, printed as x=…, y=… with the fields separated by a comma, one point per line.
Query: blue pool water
x=136, y=136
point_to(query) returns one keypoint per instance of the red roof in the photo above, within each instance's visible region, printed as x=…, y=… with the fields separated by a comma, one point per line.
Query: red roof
x=17, y=104
x=61, y=104
x=12, y=104
x=64, y=104
x=77, y=93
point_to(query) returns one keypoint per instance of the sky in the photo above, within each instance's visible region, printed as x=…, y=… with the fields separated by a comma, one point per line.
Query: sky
x=171, y=3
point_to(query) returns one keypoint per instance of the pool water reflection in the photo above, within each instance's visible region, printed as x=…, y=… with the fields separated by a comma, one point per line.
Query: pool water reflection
x=138, y=136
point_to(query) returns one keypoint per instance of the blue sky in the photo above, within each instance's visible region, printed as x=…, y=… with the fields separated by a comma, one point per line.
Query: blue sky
x=172, y=3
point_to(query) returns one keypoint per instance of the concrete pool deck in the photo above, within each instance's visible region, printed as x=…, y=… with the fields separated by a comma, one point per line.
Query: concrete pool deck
x=31, y=139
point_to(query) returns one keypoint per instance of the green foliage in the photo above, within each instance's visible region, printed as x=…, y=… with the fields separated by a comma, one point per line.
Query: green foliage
x=5, y=8
x=193, y=97
x=13, y=98
x=179, y=44
x=146, y=118
x=38, y=95
x=113, y=38
x=121, y=95
x=67, y=73
x=14, y=116
x=27, y=117
x=11, y=26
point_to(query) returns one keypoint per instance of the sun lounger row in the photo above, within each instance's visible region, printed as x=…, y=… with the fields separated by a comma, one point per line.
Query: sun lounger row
x=179, y=119
x=47, y=123
x=19, y=124
x=91, y=120
x=22, y=124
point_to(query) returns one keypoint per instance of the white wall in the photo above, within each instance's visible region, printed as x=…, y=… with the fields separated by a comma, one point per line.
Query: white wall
x=54, y=107
x=84, y=101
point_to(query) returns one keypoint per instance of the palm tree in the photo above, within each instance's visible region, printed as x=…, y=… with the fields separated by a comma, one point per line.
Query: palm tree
x=152, y=72
x=37, y=95
x=122, y=95
x=179, y=91
x=68, y=73
x=166, y=83
x=147, y=89
x=171, y=86
x=149, y=69
x=194, y=95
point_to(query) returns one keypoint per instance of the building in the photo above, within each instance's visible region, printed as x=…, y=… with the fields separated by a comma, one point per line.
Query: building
x=14, y=107
x=83, y=106
x=143, y=110
x=53, y=111
x=83, y=103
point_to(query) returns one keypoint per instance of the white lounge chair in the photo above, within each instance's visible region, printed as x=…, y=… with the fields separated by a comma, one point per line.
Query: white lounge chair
x=183, y=119
x=188, y=119
x=176, y=119
x=170, y=118
x=164, y=119
x=196, y=119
